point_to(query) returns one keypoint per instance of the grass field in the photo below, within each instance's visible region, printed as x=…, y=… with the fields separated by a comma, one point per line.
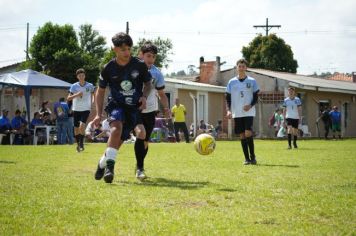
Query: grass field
x=50, y=190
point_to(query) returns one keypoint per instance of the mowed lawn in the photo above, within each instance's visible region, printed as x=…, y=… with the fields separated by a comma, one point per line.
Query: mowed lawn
x=50, y=190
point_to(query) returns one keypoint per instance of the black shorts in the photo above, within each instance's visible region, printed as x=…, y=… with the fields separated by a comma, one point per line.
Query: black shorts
x=129, y=116
x=293, y=122
x=243, y=123
x=80, y=116
x=148, y=120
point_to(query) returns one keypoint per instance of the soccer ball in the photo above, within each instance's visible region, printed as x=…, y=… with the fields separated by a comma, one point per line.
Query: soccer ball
x=204, y=144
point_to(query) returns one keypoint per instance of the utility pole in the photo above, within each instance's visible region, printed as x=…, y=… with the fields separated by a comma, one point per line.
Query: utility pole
x=127, y=27
x=27, y=56
x=267, y=26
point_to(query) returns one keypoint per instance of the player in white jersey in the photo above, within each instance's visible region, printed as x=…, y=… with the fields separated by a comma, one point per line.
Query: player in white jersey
x=82, y=95
x=148, y=53
x=292, y=112
x=241, y=96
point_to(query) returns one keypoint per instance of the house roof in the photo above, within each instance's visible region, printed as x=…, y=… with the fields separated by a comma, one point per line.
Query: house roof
x=308, y=82
x=341, y=77
x=185, y=84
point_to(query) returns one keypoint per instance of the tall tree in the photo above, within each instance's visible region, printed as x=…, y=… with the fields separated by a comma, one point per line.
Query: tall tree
x=55, y=50
x=91, y=42
x=270, y=52
x=164, y=47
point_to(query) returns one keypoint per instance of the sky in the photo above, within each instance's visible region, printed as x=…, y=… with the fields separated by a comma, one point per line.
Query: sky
x=321, y=33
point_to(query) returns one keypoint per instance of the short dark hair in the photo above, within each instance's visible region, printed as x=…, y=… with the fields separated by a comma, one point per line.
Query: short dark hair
x=291, y=88
x=17, y=112
x=242, y=61
x=62, y=99
x=80, y=71
x=149, y=47
x=120, y=39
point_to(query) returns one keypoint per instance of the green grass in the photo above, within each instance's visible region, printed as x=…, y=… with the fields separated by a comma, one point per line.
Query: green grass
x=50, y=190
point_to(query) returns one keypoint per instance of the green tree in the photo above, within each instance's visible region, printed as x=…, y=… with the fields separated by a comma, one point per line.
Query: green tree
x=270, y=52
x=55, y=50
x=164, y=47
x=91, y=42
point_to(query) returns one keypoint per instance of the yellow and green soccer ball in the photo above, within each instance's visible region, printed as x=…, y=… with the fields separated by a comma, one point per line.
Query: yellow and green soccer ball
x=204, y=144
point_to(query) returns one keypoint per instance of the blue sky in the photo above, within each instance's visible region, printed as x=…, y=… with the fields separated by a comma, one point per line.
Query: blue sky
x=321, y=33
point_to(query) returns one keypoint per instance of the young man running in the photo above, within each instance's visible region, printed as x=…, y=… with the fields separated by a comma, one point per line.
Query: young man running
x=292, y=112
x=82, y=95
x=130, y=84
x=148, y=53
x=241, y=96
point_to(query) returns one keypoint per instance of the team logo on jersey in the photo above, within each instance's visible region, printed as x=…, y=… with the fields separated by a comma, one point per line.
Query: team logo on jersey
x=87, y=89
x=126, y=85
x=134, y=74
x=248, y=85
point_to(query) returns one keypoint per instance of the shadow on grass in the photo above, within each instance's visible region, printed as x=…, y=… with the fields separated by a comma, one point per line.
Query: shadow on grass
x=7, y=162
x=162, y=182
x=227, y=190
x=277, y=165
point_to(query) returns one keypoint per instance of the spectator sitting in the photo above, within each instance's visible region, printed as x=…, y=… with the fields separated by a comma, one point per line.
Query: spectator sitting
x=91, y=131
x=19, y=126
x=41, y=133
x=203, y=128
x=218, y=129
x=47, y=119
x=103, y=132
x=160, y=130
x=5, y=127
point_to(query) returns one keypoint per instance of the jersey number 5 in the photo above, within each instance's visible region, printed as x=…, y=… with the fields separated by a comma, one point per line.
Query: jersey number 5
x=242, y=93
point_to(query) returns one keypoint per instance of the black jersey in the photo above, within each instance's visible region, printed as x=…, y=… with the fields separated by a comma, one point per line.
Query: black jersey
x=125, y=82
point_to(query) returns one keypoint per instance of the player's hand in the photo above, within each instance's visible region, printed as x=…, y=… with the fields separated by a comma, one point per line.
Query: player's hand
x=142, y=101
x=247, y=107
x=228, y=115
x=80, y=94
x=97, y=120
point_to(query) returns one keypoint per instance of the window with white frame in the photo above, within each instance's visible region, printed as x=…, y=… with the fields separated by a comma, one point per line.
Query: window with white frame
x=202, y=107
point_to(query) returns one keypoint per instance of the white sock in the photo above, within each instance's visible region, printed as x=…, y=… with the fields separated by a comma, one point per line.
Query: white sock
x=110, y=154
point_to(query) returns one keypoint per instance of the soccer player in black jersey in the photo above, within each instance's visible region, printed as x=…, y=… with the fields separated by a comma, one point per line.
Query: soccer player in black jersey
x=130, y=84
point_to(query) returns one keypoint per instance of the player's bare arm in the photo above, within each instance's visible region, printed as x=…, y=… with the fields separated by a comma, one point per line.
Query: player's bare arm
x=99, y=101
x=71, y=96
x=145, y=92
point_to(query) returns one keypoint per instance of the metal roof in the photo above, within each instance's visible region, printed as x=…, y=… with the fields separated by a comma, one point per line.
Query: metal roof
x=309, y=82
x=185, y=84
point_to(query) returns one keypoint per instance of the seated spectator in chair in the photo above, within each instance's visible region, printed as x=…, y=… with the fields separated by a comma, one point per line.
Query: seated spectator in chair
x=61, y=111
x=18, y=125
x=5, y=127
x=203, y=128
x=218, y=129
x=160, y=130
x=102, y=134
x=40, y=133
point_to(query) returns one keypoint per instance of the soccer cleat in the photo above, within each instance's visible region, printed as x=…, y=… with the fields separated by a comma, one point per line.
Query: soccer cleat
x=109, y=171
x=140, y=174
x=289, y=147
x=99, y=173
x=253, y=161
x=295, y=146
x=247, y=162
x=78, y=148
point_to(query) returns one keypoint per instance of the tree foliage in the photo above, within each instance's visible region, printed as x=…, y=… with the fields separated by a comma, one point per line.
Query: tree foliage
x=270, y=52
x=164, y=47
x=56, y=51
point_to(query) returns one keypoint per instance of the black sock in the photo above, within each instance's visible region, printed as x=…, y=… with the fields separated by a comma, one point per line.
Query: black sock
x=251, y=147
x=295, y=140
x=139, y=153
x=81, y=140
x=245, y=149
x=77, y=138
x=289, y=140
x=145, y=153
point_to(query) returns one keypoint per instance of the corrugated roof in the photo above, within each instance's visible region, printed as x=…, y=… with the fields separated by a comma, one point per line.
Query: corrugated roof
x=309, y=82
x=185, y=84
